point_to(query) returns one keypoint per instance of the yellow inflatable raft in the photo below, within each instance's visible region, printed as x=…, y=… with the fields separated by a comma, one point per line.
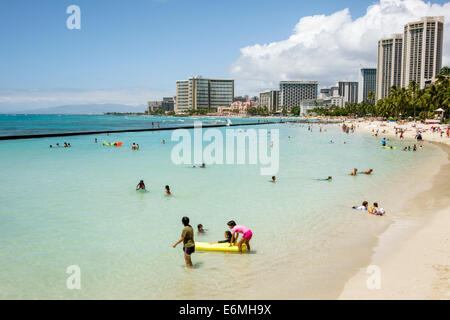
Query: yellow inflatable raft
x=222, y=247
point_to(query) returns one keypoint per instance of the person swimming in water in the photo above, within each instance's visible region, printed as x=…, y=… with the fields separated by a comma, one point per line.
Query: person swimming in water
x=353, y=173
x=330, y=178
x=203, y=165
x=200, y=229
x=274, y=179
x=364, y=206
x=141, y=185
x=368, y=171
x=227, y=236
x=383, y=142
x=168, y=191
x=246, y=235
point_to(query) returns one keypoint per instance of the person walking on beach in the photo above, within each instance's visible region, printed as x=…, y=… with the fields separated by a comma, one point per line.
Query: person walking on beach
x=246, y=235
x=187, y=237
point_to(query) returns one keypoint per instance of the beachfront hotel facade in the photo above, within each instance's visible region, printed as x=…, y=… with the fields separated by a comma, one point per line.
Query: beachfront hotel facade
x=349, y=91
x=270, y=100
x=367, y=83
x=415, y=55
x=203, y=93
x=389, y=69
x=422, y=51
x=292, y=93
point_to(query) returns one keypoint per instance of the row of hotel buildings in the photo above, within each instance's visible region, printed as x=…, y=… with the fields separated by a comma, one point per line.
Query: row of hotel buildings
x=414, y=55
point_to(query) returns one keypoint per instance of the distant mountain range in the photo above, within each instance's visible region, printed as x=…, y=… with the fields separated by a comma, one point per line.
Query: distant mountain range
x=85, y=109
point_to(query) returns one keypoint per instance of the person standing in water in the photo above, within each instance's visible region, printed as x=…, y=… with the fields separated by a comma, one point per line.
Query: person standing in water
x=187, y=237
x=274, y=179
x=168, y=191
x=141, y=185
x=246, y=235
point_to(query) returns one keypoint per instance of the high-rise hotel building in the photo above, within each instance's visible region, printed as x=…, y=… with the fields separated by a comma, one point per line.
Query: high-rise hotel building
x=422, y=50
x=367, y=83
x=349, y=91
x=294, y=92
x=390, y=54
x=201, y=93
x=415, y=55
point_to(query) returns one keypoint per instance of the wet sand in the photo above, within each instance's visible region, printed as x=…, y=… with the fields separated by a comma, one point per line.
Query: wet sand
x=413, y=255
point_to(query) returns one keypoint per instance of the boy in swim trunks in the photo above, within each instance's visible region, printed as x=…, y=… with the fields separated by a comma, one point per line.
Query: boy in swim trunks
x=246, y=235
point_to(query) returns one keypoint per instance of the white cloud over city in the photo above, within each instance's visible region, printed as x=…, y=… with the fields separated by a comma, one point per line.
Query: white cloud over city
x=329, y=48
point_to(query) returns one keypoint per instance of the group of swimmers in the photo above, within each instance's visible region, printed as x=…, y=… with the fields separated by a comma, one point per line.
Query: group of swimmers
x=374, y=209
x=354, y=172
x=66, y=145
x=135, y=146
x=232, y=237
x=141, y=186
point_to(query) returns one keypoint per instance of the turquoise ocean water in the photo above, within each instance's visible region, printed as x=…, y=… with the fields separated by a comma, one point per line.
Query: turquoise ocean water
x=78, y=206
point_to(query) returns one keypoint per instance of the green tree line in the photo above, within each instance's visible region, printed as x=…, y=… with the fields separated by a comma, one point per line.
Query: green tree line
x=401, y=102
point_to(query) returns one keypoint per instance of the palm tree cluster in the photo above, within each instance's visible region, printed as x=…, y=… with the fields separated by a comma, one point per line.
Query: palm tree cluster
x=401, y=102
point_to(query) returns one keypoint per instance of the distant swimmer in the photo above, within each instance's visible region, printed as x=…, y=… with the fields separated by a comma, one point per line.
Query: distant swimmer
x=141, y=185
x=383, y=142
x=274, y=179
x=51, y=146
x=353, y=173
x=95, y=140
x=368, y=171
x=200, y=229
x=133, y=147
x=163, y=141
x=330, y=178
x=364, y=206
x=137, y=146
x=168, y=191
x=203, y=165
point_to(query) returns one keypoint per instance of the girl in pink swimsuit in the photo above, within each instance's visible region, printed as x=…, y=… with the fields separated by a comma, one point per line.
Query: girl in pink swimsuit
x=246, y=235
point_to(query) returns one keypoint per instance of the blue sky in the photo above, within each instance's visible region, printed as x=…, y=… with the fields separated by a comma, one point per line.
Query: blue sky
x=141, y=43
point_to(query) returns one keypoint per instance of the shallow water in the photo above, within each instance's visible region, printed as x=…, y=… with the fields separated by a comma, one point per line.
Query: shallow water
x=78, y=206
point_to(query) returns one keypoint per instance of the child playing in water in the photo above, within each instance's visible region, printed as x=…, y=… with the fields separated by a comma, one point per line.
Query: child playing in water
x=200, y=229
x=227, y=235
x=246, y=235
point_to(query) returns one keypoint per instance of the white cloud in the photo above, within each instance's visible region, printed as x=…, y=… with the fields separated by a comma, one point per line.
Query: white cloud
x=331, y=48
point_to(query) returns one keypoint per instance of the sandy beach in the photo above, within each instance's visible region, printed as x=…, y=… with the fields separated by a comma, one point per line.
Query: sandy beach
x=413, y=254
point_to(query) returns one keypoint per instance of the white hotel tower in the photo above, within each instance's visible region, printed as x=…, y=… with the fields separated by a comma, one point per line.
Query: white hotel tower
x=422, y=50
